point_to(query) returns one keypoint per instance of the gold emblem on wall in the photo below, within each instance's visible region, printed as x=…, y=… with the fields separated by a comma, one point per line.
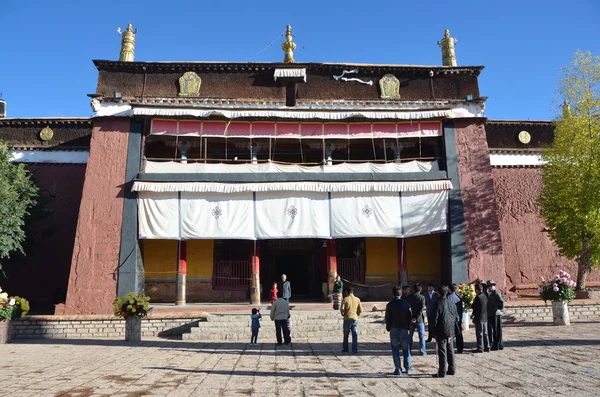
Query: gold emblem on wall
x=189, y=84
x=524, y=137
x=390, y=87
x=46, y=134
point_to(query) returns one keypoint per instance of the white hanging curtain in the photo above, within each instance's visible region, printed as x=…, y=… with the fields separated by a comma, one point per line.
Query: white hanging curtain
x=217, y=215
x=358, y=214
x=424, y=212
x=158, y=215
x=292, y=215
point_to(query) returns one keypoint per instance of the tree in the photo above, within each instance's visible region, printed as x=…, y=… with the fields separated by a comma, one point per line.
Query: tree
x=570, y=197
x=17, y=195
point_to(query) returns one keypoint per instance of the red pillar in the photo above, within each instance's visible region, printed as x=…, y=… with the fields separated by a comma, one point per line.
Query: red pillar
x=181, y=272
x=331, y=268
x=255, y=278
x=402, y=266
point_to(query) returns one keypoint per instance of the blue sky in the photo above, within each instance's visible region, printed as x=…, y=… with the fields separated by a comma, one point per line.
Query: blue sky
x=46, y=57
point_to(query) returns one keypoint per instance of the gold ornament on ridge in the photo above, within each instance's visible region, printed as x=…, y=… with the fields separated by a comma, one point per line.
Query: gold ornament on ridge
x=289, y=46
x=127, y=43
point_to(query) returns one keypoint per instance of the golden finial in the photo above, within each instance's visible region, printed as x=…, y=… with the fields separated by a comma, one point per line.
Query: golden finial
x=566, y=109
x=289, y=46
x=127, y=44
x=447, y=44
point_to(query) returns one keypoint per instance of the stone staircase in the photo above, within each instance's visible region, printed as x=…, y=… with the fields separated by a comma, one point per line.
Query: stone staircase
x=305, y=324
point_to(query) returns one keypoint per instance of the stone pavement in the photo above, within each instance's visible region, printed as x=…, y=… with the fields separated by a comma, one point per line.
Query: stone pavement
x=539, y=360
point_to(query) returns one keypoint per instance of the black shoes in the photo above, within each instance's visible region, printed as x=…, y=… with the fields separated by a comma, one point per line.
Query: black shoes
x=450, y=373
x=396, y=372
x=438, y=375
x=477, y=351
x=487, y=350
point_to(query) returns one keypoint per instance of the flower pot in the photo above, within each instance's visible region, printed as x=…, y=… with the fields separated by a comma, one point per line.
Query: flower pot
x=4, y=331
x=465, y=319
x=560, y=313
x=133, y=329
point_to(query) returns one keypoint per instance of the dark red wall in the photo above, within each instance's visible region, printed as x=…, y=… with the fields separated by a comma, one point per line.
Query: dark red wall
x=42, y=275
x=482, y=231
x=528, y=252
x=92, y=282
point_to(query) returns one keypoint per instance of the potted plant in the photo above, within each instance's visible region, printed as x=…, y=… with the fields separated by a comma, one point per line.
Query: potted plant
x=558, y=290
x=132, y=307
x=467, y=295
x=11, y=308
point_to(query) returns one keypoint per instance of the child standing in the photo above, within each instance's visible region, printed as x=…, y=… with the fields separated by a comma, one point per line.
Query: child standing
x=255, y=316
x=273, y=293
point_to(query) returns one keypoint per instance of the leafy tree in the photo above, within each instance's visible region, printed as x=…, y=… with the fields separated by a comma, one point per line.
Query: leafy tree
x=570, y=198
x=17, y=195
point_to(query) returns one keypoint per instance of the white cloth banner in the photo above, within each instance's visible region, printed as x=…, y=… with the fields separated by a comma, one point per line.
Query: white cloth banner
x=172, y=167
x=215, y=215
x=158, y=215
x=289, y=214
x=424, y=213
x=292, y=215
x=365, y=215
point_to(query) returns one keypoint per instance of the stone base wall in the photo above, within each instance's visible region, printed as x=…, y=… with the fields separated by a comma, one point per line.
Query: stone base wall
x=165, y=291
x=536, y=313
x=32, y=328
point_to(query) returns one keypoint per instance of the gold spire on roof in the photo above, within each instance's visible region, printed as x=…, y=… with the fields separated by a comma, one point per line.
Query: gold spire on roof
x=127, y=44
x=289, y=46
x=566, y=108
x=447, y=44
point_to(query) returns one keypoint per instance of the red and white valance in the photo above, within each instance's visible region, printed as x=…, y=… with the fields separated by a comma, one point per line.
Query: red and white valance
x=243, y=129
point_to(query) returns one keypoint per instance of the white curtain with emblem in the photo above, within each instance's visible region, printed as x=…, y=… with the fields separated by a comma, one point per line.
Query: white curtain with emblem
x=358, y=214
x=217, y=215
x=292, y=215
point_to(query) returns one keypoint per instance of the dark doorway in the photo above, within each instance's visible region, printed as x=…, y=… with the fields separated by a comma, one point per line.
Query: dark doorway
x=299, y=259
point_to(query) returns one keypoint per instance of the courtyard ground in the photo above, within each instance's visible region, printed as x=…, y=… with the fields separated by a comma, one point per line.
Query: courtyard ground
x=538, y=360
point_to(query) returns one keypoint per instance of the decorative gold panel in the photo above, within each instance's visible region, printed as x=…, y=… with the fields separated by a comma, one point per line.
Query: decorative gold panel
x=390, y=87
x=46, y=134
x=189, y=84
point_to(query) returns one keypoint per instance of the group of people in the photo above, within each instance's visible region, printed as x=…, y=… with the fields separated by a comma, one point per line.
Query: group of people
x=443, y=308
x=405, y=314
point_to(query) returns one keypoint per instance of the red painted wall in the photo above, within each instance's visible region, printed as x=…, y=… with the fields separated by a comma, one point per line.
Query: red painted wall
x=92, y=286
x=482, y=229
x=528, y=252
x=42, y=274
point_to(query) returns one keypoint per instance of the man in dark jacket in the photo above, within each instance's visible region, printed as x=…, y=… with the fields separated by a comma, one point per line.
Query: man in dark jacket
x=398, y=317
x=443, y=328
x=431, y=300
x=480, y=319
x=495, y=306
x=455, y=298
x=286, y=288
x=417, y=305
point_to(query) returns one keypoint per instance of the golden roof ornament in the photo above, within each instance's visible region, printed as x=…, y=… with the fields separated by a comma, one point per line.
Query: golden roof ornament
x=448, y=54
x=127, y=43
x=566, y=109
x=289, y=46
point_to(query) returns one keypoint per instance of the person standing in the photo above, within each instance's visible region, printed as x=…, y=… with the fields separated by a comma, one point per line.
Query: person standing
x=480, y=318
x=431, y=301
x=455, y=298
x=280, y=312
x=338, y=287
x=273, y=293
x=351, y=310
x=495, y=306
x=286, y=288
x=444, y=324
x=417, y=305
x=405, y=292
x=255, y=325
x=398, y=318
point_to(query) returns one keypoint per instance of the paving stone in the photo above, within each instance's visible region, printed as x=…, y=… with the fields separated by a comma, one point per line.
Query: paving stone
x=537, y=361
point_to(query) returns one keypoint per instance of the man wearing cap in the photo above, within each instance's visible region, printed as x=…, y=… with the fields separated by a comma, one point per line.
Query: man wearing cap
x=495, y=304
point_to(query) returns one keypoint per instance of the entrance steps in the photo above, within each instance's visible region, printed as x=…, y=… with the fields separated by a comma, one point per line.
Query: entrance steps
x=305, y=324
